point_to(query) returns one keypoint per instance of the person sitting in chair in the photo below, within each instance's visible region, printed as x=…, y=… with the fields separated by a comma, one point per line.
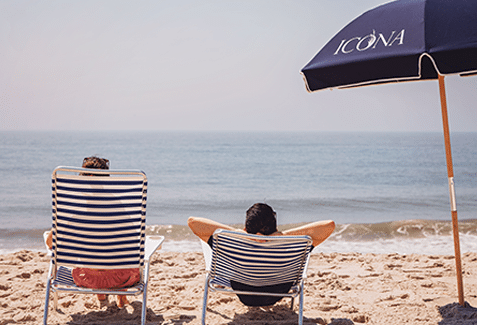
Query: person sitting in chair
x=261, y=220
x=98, y=278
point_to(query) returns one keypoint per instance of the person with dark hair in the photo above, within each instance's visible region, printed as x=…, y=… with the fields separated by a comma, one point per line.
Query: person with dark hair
x=94, y=162
x=96, y=278
x=260, y=219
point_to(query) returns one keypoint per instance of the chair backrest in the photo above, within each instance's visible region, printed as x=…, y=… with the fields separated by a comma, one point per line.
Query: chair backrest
x=98, y=222
x=259, y=260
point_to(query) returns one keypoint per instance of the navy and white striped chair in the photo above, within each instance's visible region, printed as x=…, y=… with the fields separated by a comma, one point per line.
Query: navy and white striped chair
x=99, y=222
x=256, y=261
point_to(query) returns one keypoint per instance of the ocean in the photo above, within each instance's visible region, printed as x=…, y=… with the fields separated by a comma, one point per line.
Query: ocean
x=387, y=192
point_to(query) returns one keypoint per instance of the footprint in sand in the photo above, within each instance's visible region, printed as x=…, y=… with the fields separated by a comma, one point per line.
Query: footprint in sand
x=360, y=319
x=341, y=321
x=186, y=275
x=24, y=275
x=177, y=288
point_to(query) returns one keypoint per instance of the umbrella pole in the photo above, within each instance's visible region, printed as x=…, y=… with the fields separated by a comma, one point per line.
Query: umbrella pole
x=450, y=175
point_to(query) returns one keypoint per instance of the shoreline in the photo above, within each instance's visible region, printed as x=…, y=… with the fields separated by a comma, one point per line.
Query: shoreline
x=341, y=288
x=432, y=245
x=403, y=237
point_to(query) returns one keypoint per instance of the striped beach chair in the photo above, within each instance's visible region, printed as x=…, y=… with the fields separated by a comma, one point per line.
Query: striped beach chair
x=99, y=222
x=256, y=261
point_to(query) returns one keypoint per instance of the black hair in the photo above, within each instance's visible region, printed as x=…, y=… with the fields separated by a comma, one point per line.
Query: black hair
x=261, y=218
x=95, y=163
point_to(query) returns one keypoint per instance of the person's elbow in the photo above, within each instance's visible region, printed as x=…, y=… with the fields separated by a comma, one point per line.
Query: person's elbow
x=330, y=227
x=192, y=222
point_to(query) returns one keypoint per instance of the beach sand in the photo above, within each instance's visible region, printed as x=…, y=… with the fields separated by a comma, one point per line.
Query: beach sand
x=341, y=288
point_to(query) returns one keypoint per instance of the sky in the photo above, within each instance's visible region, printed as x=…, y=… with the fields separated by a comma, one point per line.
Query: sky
x=225, y=65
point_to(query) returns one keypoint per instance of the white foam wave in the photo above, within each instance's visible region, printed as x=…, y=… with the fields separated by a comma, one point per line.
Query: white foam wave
x=431, y=245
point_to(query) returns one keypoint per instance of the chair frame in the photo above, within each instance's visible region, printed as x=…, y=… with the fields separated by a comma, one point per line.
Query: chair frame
x=151, y=244
x=215, y=283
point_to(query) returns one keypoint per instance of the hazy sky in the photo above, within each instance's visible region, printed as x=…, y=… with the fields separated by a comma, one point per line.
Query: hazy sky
x=197, y=65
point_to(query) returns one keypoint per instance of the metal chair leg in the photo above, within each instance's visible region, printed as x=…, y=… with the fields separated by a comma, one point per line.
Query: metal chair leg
x=47, y=302
x=144, y=305
x=144, y=294
x=206, y=296
x=300, y=314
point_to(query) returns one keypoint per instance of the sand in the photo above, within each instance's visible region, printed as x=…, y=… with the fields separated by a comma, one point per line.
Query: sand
x=341, y=288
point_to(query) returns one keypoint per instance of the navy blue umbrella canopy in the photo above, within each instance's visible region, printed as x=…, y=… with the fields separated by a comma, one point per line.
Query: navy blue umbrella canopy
x=403, y=40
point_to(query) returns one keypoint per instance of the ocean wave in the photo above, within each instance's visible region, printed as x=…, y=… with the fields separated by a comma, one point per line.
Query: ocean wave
x=401, y=229
x=429, y=237
x=404, y=237
x=359, y=232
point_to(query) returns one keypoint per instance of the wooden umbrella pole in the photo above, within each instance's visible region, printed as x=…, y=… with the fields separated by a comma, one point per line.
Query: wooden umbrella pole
x=450, y=175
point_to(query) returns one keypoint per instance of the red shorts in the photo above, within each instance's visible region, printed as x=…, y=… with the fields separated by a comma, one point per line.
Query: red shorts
x=105, y=279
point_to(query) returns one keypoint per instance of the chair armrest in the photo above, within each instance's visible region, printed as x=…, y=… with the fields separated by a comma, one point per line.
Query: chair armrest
x=152, y=244
x=207, y=251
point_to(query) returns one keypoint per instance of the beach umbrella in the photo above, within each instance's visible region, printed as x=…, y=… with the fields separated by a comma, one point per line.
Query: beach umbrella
x=404, y=40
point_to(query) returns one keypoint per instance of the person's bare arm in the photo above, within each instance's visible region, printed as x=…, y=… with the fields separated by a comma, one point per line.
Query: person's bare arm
x=318, y=231
x=49, y=239
x=204, y=228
